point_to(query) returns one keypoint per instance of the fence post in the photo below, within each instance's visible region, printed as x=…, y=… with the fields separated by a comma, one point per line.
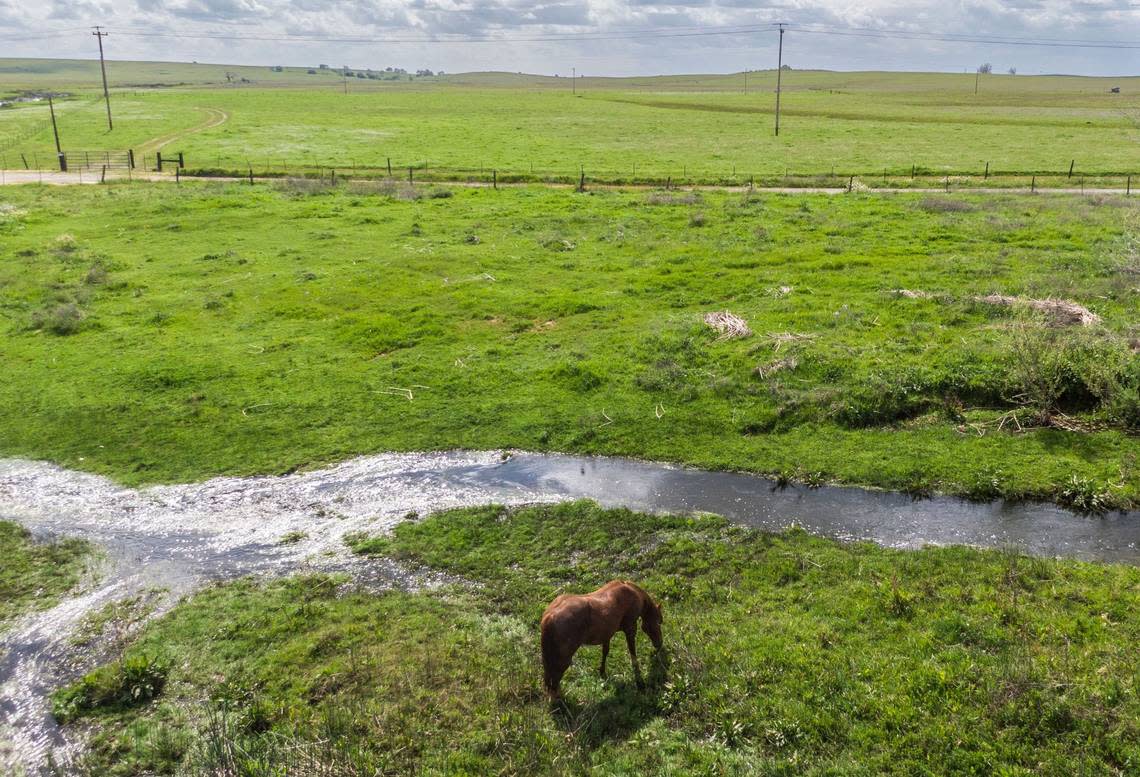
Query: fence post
x=389, y=167
x=62, y=162
x=103, y=175
x=1128, y=190
x=913, y=169
x=410, y=174
x=987, y=170
x=850, y=184
x=495, y=179
x=946, y=182
x=1033, y=184
x=181, y=160
x=130, y=159
x=25, y=160
x=251, y=175
x=1071, y=164
x=178, y=175
x=158, y=160
x=582, y=180
x=87, y=159
x=668, y=182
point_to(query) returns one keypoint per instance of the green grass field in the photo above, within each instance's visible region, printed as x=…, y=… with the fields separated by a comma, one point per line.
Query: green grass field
x=160, y=333
x=690, y=128
x=784, y=654
x=35, y=575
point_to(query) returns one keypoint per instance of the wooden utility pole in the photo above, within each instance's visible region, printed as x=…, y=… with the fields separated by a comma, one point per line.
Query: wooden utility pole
x=55, y=131
x=574, y=80
x=344, y=77
x=779, y=76
x=99, y=34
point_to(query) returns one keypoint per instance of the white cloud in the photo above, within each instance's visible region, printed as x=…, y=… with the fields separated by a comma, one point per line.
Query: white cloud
x=1062, y=19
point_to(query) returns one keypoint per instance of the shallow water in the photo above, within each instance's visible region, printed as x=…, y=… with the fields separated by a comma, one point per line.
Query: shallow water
x=178, y=537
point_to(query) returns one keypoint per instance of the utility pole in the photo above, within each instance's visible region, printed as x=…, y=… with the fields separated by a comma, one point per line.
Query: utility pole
x=574, y=80
x=55, y=131
x=344, y=77
x=977, y=77
x=103, y=67
x=779, y=76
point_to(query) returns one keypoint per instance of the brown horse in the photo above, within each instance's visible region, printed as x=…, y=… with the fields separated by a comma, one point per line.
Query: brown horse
x=592, y=619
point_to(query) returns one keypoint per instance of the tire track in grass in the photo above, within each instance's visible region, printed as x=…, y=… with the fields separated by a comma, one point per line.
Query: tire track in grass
x=215, y=117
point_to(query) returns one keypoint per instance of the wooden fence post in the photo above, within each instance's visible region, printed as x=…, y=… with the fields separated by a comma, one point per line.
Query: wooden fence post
x=158, y=158
x=1128, y=190
x=1071, y=164
x=495, y=179
x=409, y=174
x=251, y=175
x=130, y=158
x=1033, y=184
x=987, y=170
x=389, y=167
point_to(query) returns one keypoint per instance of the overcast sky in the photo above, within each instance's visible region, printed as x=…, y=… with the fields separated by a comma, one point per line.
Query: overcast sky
x=54, y=28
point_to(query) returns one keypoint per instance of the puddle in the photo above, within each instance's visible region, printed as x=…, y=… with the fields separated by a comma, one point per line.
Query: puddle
x=179, y=537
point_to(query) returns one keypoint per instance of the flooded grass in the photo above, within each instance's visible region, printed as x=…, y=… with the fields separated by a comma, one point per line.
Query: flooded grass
x=784, y=653
x=35, y=574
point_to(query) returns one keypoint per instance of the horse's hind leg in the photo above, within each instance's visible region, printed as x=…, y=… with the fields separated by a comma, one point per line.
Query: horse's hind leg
x=605, y=655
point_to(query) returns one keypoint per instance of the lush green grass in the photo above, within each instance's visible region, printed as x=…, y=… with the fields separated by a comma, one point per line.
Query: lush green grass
x=33, y=574
x=691, y=128
x=156, y=333
x=785, y=654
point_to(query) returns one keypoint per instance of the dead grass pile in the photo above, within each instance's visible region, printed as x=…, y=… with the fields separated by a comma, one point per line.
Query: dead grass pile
x=788, y=363
x=665, y=198
x=944, y=205
x=912, y=293
x=727, y=325
x=780, y=339
x=1059, y=311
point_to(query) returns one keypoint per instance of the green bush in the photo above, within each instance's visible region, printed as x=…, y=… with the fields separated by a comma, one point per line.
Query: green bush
x=135, y=680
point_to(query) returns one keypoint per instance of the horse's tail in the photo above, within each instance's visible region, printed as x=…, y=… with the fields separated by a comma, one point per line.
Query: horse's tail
x=550, y=655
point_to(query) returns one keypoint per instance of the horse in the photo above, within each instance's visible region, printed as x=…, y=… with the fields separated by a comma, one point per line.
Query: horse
x=571, y=621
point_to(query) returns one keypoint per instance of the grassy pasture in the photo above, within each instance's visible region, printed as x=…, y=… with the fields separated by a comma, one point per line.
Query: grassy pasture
x=701, y=128
x=785, y=654
x=160, y=333
x=35, y=575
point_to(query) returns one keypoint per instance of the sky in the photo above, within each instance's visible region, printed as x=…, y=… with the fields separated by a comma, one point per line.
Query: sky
x=636, y=37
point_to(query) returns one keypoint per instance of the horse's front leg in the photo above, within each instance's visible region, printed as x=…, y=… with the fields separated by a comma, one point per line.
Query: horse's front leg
x=631, y=640
x=605, y=655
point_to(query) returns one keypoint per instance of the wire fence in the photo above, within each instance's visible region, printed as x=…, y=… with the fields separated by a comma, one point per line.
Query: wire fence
x=581, y=176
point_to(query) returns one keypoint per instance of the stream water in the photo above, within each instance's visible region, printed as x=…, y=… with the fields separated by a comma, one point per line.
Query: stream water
x=176, y=538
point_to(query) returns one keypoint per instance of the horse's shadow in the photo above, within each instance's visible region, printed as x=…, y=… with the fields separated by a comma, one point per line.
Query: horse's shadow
x=620, y=714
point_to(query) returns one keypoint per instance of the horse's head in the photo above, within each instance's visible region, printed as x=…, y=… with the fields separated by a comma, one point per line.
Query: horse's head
x=651, y=621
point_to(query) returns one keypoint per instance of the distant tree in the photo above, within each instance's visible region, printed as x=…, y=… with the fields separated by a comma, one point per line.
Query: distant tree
x=278, y=69
x=312, y=72
x=786, y=67
x=1013, y=71
x=986, y=68
x=324, y=67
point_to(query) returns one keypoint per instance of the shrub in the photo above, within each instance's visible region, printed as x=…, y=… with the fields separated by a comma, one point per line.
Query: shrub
x=133, y=681
x=96, y=275
x=697, y=219
x=64, y=319
x=1085, y=496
